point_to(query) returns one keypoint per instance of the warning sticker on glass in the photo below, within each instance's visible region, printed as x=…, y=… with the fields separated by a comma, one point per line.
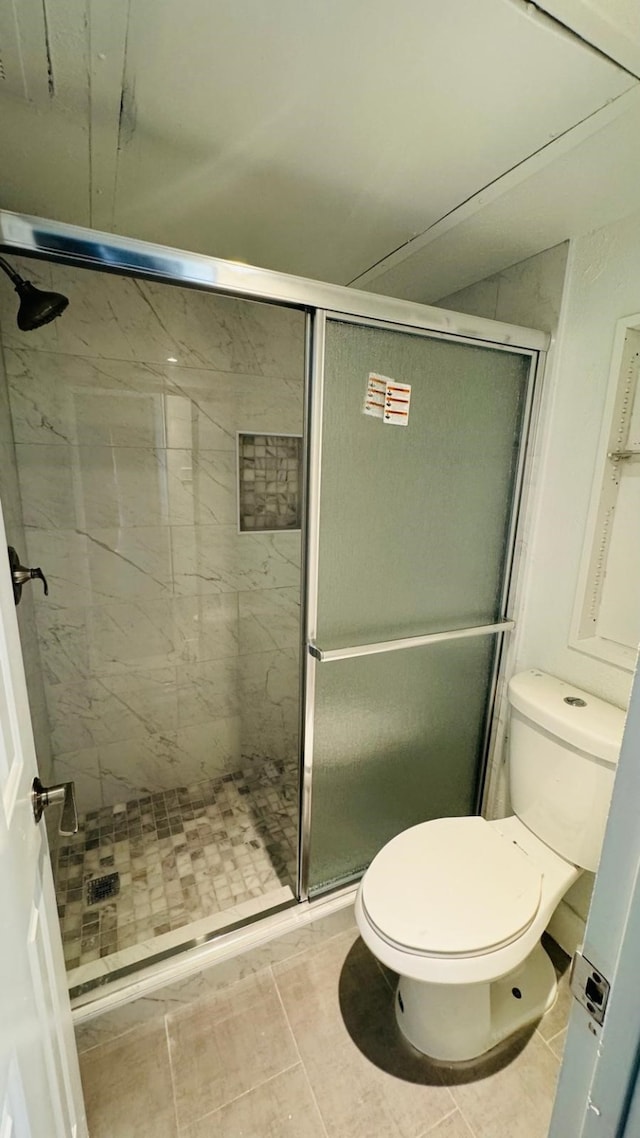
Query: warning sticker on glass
x=375, y=395
x=396, y=403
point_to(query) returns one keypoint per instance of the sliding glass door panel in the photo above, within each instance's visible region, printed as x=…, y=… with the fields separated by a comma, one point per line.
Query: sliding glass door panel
x=414, y=519
x=398, y=740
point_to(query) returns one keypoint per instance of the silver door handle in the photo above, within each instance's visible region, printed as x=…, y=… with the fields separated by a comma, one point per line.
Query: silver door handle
x=64, y=793
x=21, y=574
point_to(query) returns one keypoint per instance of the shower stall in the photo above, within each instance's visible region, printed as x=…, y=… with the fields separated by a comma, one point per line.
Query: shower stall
x=277, y=520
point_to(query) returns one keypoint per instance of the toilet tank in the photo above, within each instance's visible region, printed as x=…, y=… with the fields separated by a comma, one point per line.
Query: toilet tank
x=563, y=752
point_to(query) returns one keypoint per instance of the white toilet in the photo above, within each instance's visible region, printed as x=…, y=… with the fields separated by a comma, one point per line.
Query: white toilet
x=457, y=906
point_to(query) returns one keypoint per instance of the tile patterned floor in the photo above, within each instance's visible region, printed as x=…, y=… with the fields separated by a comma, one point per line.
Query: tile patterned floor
x=308, y=1047
x=180, y=855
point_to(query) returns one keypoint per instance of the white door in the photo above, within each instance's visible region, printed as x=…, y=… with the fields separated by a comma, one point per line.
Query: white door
x=599, y=1088
x=40, y=1091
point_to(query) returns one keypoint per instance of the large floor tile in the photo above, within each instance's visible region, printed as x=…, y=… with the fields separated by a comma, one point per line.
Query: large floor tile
x=511, y=1093
x=365, y=1079
x=227, y=1045
x=556, y=1019
x=557, y=1043
x=454, y=1126
x=127, y=1086
x=283, y=1107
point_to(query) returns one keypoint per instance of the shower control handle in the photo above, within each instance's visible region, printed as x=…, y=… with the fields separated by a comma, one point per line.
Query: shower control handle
x=64, y=793
x=20, y=574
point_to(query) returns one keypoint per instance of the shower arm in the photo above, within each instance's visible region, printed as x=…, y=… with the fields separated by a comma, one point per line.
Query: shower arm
x=14, y=277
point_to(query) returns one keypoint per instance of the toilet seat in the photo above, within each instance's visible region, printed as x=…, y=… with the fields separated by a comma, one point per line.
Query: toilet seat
x=452, y=887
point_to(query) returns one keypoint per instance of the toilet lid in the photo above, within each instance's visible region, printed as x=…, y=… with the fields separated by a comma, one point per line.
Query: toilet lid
x=453, y=886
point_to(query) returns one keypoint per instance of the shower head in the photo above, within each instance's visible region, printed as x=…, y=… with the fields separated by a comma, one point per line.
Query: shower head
x=37, y=307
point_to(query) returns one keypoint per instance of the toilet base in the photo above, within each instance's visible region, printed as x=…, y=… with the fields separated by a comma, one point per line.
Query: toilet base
x=453, y=1022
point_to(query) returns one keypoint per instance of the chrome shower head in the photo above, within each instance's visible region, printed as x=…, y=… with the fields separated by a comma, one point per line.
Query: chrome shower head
x=37, y=307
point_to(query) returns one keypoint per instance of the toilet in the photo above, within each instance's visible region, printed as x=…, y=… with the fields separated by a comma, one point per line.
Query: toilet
x=457, y=906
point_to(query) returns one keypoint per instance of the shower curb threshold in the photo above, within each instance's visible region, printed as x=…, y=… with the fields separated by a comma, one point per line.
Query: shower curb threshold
x=124, y=989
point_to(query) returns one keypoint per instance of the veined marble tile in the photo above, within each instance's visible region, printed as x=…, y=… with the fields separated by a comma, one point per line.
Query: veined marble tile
x=81, y=768
x=10, y=495
x=269, y=698
x=131, y=636
x=268, y=619
x=123, y=318
x=209, y=748
x=205, y=627
x=88, y=714
x=47, y=487
x=141, y=634
x=108, y=316
x=138, y=766
x=129, y=562
x=198, y=421
x=216, y=559
x=6, y=431
x=121, y=486
x=29, y=641
x=205, y=409
x=205, y=559
x=64, y=643
x=131, y=416
x=64, y=399
x=207, y=691
x=269, y=560
x=228, y=333
x=62, y=555
x=201, y=487
x=271, y=407
x=150, y=695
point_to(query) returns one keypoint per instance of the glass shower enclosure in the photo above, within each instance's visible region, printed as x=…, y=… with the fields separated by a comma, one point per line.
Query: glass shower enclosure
x=419, y=439
x=413, y=462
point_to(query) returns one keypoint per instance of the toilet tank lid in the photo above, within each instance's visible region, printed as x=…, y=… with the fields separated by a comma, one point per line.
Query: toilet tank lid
x=574, y=716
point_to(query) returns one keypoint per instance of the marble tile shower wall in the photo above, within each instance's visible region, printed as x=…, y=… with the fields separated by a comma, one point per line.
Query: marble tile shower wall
x=168, y=641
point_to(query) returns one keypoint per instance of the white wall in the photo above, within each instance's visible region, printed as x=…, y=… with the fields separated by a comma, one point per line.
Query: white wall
x=602, y=284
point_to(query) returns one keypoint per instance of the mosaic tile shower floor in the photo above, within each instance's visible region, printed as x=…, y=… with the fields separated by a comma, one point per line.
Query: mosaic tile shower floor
x=180, y=855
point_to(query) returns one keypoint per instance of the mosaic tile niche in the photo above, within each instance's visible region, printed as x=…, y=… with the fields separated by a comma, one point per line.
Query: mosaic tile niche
x=270, y=480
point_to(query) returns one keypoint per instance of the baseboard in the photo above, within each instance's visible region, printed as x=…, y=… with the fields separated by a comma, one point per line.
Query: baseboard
x=566, y=928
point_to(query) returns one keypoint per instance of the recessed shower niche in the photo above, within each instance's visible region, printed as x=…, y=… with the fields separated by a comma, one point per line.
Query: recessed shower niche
x=269, y=482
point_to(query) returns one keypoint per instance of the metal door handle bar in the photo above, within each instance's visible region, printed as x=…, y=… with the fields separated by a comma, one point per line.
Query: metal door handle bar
x=325, y=656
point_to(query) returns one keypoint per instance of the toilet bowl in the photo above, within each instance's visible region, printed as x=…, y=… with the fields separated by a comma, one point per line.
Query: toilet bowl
x=470, y=930
x=457, y=906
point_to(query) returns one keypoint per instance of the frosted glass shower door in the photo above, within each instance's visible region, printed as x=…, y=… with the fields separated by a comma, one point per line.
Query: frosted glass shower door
x=413, y=526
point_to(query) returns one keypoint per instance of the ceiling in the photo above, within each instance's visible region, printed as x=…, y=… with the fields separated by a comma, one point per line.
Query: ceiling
x=313, y=138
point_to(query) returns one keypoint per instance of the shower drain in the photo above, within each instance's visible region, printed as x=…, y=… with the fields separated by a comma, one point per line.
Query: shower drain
x=103, y=887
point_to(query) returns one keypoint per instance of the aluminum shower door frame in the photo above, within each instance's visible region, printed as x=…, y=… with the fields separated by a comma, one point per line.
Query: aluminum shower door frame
x=314, y=655
x=73, y=245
